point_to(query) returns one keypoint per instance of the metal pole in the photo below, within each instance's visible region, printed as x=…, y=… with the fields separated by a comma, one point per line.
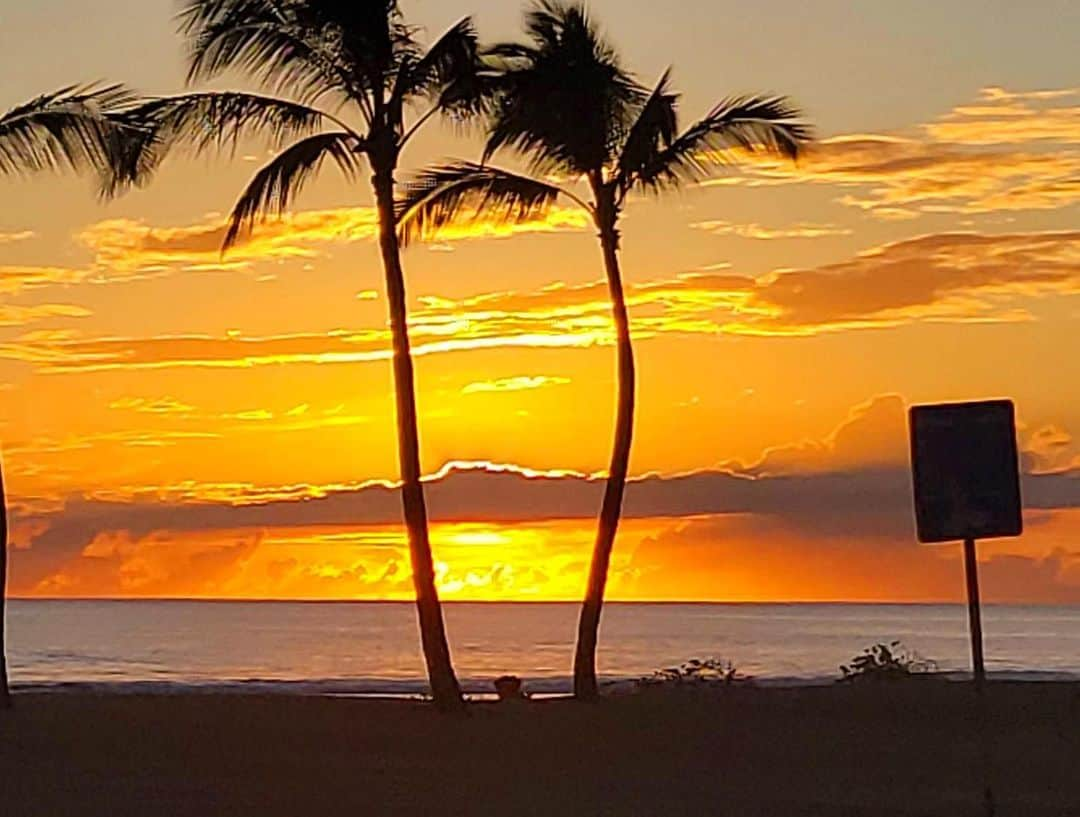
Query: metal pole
x=971, y=568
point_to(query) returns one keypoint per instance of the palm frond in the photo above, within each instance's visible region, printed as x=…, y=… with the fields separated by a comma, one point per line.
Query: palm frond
x=654, y=130
x=451, y=56
x=284, y=47
x=275, y=186
x=565, y=101
x=373, y=33
x=200, y=122
x=751, y=123
x=72, y=128
x=464, y=191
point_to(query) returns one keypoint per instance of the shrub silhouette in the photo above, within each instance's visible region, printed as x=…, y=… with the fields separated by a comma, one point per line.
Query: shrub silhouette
x=886, y=662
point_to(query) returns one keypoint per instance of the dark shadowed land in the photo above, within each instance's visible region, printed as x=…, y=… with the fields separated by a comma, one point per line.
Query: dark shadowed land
x=892, y=750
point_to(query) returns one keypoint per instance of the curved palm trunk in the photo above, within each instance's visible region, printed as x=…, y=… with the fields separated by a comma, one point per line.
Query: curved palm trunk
x=5, y=694
x=444, y=684
x=585, y=686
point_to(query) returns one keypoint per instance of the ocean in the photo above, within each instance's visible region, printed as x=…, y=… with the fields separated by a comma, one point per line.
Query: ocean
x=372, y=648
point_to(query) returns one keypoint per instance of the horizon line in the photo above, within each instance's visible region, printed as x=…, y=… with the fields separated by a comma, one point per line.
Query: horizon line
x=576, y=602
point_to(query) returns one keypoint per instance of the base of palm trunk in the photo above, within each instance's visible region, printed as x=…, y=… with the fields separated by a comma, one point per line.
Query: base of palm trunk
x=449, y=701
x=585, y=684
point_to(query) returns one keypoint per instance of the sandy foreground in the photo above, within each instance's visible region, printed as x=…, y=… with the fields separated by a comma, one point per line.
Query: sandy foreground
x=909, y=749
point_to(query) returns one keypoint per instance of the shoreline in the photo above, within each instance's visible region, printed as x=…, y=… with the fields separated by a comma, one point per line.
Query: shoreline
x=897, y=750
x=954, y=602
x=479, y=689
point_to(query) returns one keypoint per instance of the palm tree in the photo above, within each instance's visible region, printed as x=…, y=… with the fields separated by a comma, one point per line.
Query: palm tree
x=5, y=692
x=70, y=129
x=566, y=104
x=322, y=64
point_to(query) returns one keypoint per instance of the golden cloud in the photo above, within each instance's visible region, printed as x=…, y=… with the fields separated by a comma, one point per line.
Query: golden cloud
x=757, y=231
x=127, y=248
x=181, y=423
x=160, y=406
x=12, y=315
x=902, y=178
x=959, y=164
x=489, y=521
x=14, y=280
x=13, y=237
x=523, y=383
x=1004, y=117
x=943, y=277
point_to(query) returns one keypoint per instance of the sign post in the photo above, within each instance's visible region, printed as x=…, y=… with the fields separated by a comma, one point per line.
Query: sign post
x=966, y=472
x=971, y=573
x=967, y=486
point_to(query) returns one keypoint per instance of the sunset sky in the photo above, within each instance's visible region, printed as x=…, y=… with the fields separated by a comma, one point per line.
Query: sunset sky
x=178, y=423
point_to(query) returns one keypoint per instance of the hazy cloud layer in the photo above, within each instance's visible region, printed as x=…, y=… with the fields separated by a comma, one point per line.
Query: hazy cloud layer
x=868, y=506
x=1000, y=116
x=764, y=233
x=832, y=512
x=1005, y=152
x=127, y=248
x=943, y=277
x=13, y=237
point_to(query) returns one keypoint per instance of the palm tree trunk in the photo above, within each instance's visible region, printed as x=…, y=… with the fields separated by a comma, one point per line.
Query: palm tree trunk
x=585, y=686
x=5, y=693
x=444, y=684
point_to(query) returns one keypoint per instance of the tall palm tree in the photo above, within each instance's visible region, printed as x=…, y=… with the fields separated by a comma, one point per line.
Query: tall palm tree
x=5, y=692
x=566, y=105
x=69, y=129
x=322, y=65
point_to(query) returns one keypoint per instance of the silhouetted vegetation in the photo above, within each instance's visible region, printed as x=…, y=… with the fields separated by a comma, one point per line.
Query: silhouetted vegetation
x=5, y=691
x=324, y=65
x=885, y=662
x=75, y=128
x=564, y=101
x=697, y=672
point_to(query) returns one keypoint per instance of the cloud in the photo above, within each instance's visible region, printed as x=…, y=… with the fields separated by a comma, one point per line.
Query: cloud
x=117, y=564
x=1007, y=152
x=825, y=519
x=873, y=435
x=899, y=178
x=750, y=558
x=1003, y=117
x=160, y=406
x=941, y=277
x=838, y=520
x=479, y=492
x=131, y=248
x=127, y=249
x=12, y=315
x=1049, y=450
x=757, y=231
x=14, y=237
x=956, y=277
x=14, y=280
x=523, y=383
x=188, y=424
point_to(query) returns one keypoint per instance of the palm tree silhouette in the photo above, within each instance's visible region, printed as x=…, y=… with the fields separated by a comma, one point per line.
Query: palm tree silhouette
x=319, y=63
x=565, y=103
x=70, y=129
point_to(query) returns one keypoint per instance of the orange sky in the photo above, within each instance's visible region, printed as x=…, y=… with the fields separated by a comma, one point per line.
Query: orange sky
x=178, y=423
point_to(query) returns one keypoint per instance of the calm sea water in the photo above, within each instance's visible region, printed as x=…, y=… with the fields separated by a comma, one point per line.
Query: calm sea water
x=373, y=647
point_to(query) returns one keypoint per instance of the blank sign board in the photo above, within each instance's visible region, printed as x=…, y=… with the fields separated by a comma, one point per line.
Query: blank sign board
x=966, y=469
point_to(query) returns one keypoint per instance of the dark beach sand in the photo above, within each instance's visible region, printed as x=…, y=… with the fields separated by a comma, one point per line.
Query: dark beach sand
x=897, y=750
